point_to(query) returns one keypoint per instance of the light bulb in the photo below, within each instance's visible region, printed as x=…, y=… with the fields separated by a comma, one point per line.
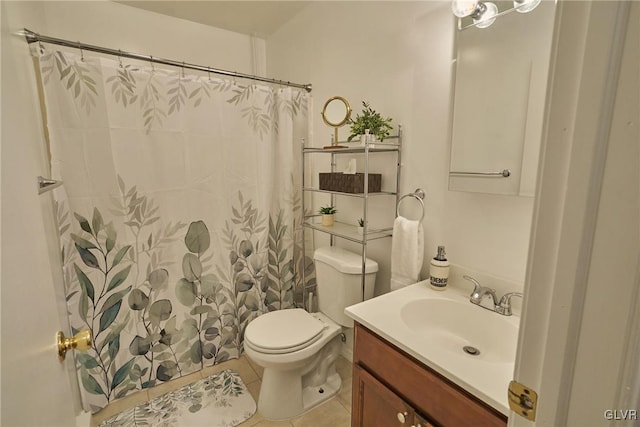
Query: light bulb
x=486, y=17
x=462, y=8
x=524, y=6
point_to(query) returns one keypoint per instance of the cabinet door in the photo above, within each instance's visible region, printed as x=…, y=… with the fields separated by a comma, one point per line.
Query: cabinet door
x=374, y=405
x=421, y=422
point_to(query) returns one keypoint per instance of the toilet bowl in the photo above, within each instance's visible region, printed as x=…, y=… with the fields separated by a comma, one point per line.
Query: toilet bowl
x=298, y=349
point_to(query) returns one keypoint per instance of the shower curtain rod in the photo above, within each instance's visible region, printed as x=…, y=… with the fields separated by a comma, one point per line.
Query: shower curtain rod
x=33, y=37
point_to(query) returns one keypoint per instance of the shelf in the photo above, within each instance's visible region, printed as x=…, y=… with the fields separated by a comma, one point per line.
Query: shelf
x=379, y=148
x=360, y=195
x=349, y=232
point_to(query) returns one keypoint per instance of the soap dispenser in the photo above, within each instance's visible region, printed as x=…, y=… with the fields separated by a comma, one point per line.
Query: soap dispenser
x=439, y=270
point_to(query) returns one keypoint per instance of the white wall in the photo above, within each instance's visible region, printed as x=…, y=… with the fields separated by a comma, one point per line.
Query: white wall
x=29, y=253
x=397, y=56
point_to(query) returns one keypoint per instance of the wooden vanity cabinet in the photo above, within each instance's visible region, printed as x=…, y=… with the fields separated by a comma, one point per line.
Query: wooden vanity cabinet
x=390, y=388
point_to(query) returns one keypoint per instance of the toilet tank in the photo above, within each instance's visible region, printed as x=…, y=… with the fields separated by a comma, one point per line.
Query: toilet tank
x=339, y=285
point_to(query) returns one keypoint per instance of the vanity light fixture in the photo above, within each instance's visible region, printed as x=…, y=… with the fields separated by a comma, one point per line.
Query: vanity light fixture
x=462, y=8
x=487, y=16
x=524, y=6
x=482, y=14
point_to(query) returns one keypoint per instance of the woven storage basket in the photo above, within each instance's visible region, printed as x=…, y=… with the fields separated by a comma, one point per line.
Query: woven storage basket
x=350, y=183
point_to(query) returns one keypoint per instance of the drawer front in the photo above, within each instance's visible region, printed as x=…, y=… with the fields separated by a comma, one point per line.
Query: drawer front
x=426, y=390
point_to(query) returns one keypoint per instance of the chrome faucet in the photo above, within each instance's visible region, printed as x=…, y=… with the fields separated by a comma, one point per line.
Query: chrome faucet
x=504, y=306
x=480, y=292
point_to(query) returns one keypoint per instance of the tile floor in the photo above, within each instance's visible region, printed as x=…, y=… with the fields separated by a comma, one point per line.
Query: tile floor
x=335, y=412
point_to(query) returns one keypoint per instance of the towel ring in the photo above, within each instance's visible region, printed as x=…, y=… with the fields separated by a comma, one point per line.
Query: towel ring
x=418, y=195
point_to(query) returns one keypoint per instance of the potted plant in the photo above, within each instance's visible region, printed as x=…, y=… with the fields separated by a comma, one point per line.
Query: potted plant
x=372, y=121
x=361, y=226
x=328, y=213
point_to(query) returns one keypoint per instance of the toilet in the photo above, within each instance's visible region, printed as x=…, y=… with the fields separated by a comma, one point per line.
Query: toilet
x=298, y=349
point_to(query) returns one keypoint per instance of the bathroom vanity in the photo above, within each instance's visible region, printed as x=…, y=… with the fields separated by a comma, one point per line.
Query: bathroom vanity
x=410, y=367
x=392, y=388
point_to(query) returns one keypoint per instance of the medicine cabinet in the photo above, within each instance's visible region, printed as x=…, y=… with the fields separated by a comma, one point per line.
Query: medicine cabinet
x=500, y=80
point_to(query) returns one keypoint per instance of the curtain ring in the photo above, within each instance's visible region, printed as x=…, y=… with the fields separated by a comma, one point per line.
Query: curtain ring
x=40, y=46
x=153, y=69
x=81, y=51
x=209, y=73
x=183, y=69
x=120, y=57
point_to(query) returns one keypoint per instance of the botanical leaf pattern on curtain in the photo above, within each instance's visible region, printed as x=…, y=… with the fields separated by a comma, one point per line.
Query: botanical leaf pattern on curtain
x=179, y=216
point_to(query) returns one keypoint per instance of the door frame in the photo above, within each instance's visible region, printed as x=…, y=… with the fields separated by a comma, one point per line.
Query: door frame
x=586, y=58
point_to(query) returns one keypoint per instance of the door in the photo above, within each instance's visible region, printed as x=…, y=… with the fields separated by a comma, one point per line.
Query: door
x=35, y=386
x=581, y=289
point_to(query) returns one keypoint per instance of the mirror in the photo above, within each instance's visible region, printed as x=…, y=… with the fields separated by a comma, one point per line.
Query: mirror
x=336, y=113
x=498, y=103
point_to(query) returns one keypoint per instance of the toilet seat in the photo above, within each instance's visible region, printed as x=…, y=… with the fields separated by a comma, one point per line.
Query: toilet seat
x=283, y=331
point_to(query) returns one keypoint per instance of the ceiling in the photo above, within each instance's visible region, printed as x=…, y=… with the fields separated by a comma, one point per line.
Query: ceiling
x=259, y=18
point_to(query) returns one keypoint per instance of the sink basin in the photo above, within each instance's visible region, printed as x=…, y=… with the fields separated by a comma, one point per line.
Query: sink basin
x=453, y=325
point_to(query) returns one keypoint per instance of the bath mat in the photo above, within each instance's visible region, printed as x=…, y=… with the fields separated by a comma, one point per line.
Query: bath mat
x=221, y=400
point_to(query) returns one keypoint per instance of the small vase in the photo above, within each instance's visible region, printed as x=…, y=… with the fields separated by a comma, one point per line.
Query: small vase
x=327, y=220
x=368, y=139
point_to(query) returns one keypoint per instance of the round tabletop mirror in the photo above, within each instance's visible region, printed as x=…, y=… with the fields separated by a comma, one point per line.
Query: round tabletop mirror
x=336, y=112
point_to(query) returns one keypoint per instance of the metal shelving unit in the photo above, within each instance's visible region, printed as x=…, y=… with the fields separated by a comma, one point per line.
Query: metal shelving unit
x=347, y=231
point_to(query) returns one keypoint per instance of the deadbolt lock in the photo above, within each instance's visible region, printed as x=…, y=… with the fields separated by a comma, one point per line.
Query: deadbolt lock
x=523, y=400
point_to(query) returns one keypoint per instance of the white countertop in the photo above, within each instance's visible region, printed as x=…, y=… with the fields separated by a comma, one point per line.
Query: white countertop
x=487, y=380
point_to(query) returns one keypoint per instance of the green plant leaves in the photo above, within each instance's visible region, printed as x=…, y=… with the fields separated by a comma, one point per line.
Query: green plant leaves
x=139, y=346
x=159, y=311
x=119, y=255
x=83, y=243
x=89, y=383
x=97, y=221
x=197, y=238
x=191, y=267
x=196, y=352
x=158, y=279
x=119, y=278
x=208, y=285
x=121, y=374
x=109, y=316
x=244, y=282
x=114, y=299
x=85, y=283
x=114, y=347
x=138, y=300
x=186, y=292
x=246, y=248
x=87, y=257
x=110, y=242
x=84, y=224
x=209, y=350
x=166, y=370
x=86, y=361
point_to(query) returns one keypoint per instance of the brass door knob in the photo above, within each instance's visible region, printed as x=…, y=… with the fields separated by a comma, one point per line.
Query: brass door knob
x=81, y=341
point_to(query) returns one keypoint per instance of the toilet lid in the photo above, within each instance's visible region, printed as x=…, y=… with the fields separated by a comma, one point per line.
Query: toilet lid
x=283, y=331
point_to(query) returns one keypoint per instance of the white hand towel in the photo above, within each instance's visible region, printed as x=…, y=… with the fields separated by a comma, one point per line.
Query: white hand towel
x=407, y=251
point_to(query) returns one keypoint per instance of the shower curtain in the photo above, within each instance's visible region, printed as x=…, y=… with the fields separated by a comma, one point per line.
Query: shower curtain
x=178, y=217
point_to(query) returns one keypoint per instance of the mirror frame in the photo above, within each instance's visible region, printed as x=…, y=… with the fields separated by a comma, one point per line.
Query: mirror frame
x=346, y=116
x=335, y=126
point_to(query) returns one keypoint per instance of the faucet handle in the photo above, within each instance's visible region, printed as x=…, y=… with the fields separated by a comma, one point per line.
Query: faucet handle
x=476, y=284
x=505, y=302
